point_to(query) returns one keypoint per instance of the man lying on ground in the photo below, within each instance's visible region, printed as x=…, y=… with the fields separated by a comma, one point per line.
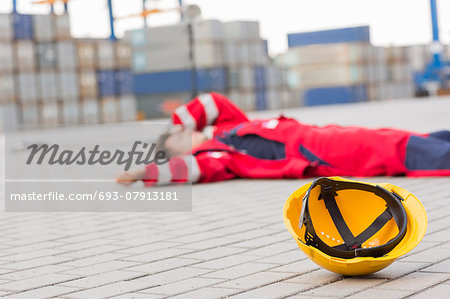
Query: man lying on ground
x=213, y=140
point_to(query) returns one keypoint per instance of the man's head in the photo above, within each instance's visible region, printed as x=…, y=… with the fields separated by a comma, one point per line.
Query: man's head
x=179, y=140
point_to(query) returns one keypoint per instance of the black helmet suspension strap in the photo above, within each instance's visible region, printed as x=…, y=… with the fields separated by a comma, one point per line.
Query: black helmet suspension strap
x=352, y=244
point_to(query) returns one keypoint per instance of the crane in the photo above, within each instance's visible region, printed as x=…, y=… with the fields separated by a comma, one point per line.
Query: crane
x=112, y=36
x=436, y=76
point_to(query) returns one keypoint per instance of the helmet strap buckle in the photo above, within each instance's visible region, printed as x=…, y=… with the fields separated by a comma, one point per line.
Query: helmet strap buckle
x=328, y=192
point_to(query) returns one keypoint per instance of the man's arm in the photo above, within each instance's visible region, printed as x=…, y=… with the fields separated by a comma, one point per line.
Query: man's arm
x=206, y=110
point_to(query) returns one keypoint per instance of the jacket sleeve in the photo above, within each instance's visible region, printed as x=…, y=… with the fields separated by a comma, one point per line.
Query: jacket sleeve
x=189, y=169
x=206, y=110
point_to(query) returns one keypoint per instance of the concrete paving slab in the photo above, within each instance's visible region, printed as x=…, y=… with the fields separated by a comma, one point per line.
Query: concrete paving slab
x=231, y=244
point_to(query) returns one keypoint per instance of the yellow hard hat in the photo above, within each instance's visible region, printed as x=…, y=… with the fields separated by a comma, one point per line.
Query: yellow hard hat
x=354, y=228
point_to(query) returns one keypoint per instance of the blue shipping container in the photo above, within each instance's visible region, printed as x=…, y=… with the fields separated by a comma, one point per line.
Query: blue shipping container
x=124, y=82
x=334, y=95
x=259, y=74
x=23, y=26
x=180, y=81
x=261, y=100
x=107, y=83
x=211, y=79
x=342, y=35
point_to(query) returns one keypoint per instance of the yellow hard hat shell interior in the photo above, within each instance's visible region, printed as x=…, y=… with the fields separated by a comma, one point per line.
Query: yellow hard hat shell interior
x=359, y=209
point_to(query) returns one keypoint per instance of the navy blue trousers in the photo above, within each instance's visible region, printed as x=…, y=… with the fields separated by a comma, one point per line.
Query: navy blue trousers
x=429, y=153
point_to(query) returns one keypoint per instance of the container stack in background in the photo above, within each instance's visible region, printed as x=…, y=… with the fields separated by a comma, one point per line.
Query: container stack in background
x=49, y=79
x=400, y=74
x=342, y=66
x=163, y=77
x=254, y=83
x=327, y=67
x=106, y=81
x=230, y=58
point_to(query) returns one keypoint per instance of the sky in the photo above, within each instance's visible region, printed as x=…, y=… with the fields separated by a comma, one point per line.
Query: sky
x=392, y=22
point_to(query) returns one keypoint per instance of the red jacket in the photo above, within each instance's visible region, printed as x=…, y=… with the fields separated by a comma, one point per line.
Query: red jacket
x=309, y=150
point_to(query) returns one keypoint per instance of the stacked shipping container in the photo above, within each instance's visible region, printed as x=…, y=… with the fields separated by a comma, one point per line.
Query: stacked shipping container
x=229, y=57
x=52, y=79
x=49, y=78
x=341, y=65
x=253, y=82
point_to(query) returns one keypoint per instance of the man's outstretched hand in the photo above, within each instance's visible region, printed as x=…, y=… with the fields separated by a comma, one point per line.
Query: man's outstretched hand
x=127, y=178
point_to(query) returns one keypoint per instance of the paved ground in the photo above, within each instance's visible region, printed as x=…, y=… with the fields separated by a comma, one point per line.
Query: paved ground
x=234, y=243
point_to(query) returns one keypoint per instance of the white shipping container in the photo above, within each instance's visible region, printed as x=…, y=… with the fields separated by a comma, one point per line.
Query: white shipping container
x=6, y=57
x=257, y=53
x=273, y=99
x=243, y=99
x=140, y=62
x=68, y=86
x=6, y=29
x=277, y=98
x=136, y=37
x=106, y=55
x=166, y=36
x=9, y=117
x=391, y=90
x=123, y=54
x=90, y=111
x=49, y=114
x=109, y=110
x=397, y=90
x=400, y=72
x=237, y=53
x=377, y=73
x=158, y=37
x=209, y=30
x=47, y=86
x=7, y=88
x=29, y=115
x=66, y=56
x=207, y=55
x=25, y=54
x=88, y=84
x=418, y=56
x=396, y=54
x=127, y=108
x=284, y=95
x=44, y=29
x=326, y=54
x=327, y=75
x=275, y=76
x=70, y=112
x=402, y=90
x=86, y=55
x=27, y=87
x=233, y=95
x=295, y=98
x=63, y=27
x=445, y=52
x=378, y=54
x=241, y=30
x=375, y=92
